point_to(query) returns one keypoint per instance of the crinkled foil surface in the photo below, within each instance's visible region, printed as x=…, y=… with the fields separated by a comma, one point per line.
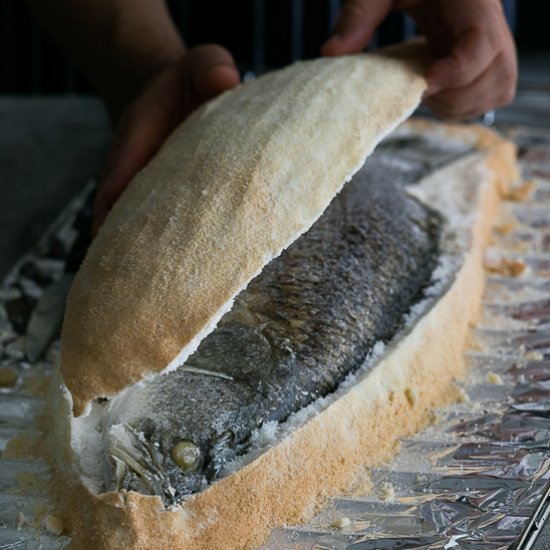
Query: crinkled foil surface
x=476, y=478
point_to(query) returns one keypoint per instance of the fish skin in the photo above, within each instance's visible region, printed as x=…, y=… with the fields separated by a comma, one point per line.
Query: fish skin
x=305, y=323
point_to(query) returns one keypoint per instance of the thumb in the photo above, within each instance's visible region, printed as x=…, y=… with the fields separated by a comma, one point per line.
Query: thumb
x=212, y=70
x=355, y=25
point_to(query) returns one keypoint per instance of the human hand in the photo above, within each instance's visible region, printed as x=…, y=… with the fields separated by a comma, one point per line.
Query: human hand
x=165, y=99
x=476, y=68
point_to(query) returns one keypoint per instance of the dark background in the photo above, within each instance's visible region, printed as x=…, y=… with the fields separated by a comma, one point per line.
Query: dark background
x=262, y=34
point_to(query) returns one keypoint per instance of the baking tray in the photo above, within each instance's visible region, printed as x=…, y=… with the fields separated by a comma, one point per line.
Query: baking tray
x=477, y=477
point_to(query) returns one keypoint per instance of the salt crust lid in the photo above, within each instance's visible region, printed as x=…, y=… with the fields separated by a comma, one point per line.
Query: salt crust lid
x=233, y=186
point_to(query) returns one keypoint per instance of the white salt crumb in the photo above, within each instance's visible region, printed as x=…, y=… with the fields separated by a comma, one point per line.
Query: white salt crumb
x=52, y=524
x=377, y=350
x=386, y=492
x=340, y=523
x=462, y=396
x=494, y=378
x=266, y=435
x=260, y=440
x=534, y=356
x=20, y=520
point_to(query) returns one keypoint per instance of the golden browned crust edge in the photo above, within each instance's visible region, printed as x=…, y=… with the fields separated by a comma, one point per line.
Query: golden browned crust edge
x=181, y=243
x=319, y=459
x=500, y=153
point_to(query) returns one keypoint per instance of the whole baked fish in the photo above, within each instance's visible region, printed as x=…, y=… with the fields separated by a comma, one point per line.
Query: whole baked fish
x=304, y=324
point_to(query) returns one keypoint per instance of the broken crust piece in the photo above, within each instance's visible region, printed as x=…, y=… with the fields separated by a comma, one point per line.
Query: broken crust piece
x=356, y=428
x=234, y=181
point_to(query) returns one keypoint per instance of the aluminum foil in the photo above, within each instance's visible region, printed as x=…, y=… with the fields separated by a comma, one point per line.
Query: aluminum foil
x=32, y=300
x=476, y=478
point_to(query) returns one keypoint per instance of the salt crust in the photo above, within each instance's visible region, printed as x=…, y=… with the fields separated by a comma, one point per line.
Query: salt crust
x=239, y=510
x=86, y=429
x=89, y=432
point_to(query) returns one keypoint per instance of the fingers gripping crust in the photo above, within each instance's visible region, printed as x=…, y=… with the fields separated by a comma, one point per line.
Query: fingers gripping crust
x=233, y=186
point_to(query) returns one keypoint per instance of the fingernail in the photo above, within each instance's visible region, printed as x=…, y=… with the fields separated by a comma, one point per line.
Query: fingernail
x=432, y=89
x=333, y=40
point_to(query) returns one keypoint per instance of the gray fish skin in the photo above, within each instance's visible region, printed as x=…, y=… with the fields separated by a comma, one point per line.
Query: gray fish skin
x=305, y=323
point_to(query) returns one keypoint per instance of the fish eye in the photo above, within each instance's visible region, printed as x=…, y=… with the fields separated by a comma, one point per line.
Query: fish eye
x=186, y=455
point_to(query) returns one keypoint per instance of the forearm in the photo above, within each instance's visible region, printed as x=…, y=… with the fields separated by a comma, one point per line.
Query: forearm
x=117, y=43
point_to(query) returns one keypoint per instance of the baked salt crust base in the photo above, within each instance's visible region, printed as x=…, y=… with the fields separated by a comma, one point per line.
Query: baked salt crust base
x=356, y=428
